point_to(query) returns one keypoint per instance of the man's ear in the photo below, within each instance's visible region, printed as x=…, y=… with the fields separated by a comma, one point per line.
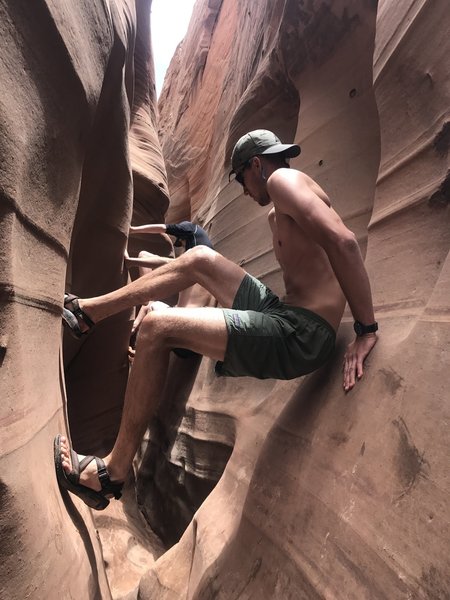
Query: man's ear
x=257, y=162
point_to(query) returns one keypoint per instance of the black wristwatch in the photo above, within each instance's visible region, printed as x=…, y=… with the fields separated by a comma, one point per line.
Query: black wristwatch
x=361, y=329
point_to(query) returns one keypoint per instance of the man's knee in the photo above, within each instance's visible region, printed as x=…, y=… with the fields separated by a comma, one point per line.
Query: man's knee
x=155, y=328
x=202, y=258
x=201, y=253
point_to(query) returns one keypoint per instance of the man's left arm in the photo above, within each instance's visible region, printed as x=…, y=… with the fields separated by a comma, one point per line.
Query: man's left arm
x=293, y=195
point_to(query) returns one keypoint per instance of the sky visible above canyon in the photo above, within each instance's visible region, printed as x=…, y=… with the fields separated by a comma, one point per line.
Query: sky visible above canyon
x=169, y=23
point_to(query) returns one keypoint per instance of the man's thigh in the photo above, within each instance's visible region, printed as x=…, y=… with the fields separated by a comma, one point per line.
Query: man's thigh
x=202, y=330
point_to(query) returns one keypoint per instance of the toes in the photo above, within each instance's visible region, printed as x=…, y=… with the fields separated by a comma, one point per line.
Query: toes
x=65, y=455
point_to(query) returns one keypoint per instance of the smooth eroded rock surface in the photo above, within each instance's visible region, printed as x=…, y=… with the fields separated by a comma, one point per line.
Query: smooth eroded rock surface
x=74, y=83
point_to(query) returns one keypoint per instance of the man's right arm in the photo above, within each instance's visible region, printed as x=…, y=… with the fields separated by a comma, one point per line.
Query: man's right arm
x=153, y=228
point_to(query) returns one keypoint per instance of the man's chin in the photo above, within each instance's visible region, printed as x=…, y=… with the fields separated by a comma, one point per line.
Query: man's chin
x=263, y=201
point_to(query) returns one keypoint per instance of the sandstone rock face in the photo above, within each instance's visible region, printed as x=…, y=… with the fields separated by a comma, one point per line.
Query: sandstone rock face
x=74, y=82
x=124, y=177
x=325, y=495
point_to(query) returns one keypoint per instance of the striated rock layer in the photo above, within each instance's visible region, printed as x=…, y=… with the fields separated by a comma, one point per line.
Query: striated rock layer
x=325, y=495
x=74, y=81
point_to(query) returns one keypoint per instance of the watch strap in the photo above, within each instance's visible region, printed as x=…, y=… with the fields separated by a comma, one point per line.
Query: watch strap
x=361, y=329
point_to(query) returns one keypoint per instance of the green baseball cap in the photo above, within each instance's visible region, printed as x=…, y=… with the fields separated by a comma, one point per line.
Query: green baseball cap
x=259, y=141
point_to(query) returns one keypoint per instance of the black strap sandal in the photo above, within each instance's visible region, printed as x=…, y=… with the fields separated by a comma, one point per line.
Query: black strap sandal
x=73, y=315
x=71, y=481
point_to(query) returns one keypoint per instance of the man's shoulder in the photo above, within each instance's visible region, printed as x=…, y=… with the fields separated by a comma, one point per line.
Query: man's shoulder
x=286, y=177
x=292, y=186
x=287, y=185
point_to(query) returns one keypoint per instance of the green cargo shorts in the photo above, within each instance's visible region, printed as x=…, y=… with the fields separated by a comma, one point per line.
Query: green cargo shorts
x=268, y=339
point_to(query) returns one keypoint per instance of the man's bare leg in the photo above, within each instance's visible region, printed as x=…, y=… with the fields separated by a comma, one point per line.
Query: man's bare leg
x=220, y=276
x=194, y=296
x=202, y=330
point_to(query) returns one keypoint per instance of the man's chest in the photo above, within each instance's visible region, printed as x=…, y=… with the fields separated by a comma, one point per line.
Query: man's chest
x=294, y=250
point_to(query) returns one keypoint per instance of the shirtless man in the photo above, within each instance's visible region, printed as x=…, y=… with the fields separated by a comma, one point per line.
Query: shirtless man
x=322, y=266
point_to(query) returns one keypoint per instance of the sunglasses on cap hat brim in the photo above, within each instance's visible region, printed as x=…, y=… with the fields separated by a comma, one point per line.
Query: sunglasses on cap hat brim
x=239, y=175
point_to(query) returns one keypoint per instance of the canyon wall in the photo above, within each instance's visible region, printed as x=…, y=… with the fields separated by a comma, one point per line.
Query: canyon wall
x=77, y=113
x=325, y=495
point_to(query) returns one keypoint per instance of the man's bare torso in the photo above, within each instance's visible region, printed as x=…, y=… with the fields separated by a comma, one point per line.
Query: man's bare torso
x=308, y=277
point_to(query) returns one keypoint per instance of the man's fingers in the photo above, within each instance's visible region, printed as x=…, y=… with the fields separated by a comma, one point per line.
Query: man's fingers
x=345, y=368
x=359, y=367
x=349, y=372
x=138, y=320
x=136, y=323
